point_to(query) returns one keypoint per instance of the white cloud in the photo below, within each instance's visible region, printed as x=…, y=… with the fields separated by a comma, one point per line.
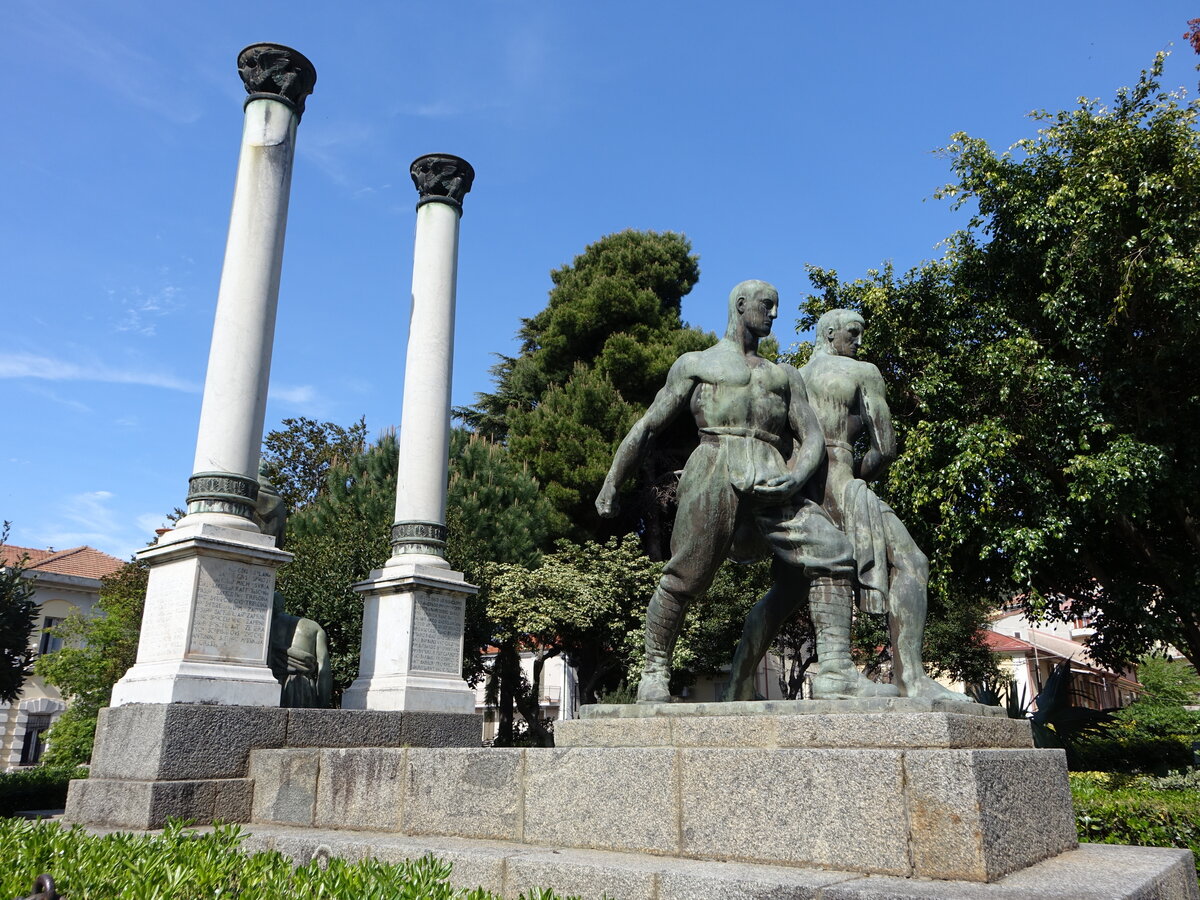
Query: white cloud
x=140, y=309
x=89, y=518
x=30, y=365
x=297, y=395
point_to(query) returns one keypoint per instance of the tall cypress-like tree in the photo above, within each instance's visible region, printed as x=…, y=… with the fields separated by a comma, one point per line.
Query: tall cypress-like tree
x=590, y=363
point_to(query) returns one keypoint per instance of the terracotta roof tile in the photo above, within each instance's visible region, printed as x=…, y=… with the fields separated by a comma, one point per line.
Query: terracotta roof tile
x=1003, y=643
x=85, y=562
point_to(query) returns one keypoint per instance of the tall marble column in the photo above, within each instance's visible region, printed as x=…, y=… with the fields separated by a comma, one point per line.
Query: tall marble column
x=208, y=602
x=413, y=608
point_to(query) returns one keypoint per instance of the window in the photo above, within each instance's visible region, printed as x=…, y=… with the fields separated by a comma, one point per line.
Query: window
x=49, y=642
x=36, y=727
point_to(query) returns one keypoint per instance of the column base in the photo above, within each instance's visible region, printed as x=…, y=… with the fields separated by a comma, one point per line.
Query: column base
x=410, y=693
x=181, y=681
x=412, y=641
x=206, y=623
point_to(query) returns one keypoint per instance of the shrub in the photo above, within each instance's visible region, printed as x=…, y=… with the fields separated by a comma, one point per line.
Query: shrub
x=1146, y=811
x=41, y=788
x=1116, y=752
x=181, y=864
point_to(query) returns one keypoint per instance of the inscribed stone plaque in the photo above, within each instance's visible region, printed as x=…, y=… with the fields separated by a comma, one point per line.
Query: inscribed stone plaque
x=232, y=611
x=437, y=634
x=168, y=603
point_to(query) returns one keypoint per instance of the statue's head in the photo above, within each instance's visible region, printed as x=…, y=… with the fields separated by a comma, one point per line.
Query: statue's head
x=839, y=333
x=754, y=304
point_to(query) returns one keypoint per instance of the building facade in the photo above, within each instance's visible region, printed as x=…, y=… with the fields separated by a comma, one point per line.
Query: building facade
x=65, y=581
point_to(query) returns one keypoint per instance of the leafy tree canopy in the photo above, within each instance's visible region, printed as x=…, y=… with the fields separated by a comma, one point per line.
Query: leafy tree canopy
x=97, y=650
x=18, y=615
x=1043, y=375
x=298, y=456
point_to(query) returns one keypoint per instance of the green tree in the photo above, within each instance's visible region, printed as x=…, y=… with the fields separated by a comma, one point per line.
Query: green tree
x=585, y=601
x=98, y=648
x=18, y=615
x=298, y=456
x=590, y=363
x=495, y=512
x=1042, y=376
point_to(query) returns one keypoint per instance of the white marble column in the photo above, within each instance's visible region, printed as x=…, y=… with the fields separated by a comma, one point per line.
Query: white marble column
x=208, y=601
x=413, y=608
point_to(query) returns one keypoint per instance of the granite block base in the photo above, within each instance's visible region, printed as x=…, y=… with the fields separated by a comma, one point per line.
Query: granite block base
x=155, y=760
x=972, y=815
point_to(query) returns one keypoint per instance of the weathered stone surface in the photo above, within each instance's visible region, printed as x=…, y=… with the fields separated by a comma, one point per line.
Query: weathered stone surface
x=361, y=788
x=903, y=731
x=285, y=785
x=476, y=863
x=437, y=729
x=1092, y=872
x=866, y=730
x=842, y=808
x=469, y=793
x=183, y=741
x=979, y=814
x=786, y=707
x=233, y=799
x=613, y=732
x=709, y=731
x=691, y=880
x=148, y=804
x=587, y=874
x=329, y=728
x=604, y=799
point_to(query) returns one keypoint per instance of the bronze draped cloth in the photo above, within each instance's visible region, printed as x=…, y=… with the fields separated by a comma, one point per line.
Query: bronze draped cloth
x=863, y=516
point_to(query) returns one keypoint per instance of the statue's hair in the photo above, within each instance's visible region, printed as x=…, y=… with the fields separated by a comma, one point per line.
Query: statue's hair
x=835, y=319
x=743, y=289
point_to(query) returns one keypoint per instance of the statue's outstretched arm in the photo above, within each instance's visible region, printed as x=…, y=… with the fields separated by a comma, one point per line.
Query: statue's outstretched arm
x=877, y=419
x=669, y=402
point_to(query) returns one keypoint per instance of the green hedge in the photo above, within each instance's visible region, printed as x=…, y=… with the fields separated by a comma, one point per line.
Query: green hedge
x=182, y=865
x=1129, y=753
x=1143, y=810
x=40, y=788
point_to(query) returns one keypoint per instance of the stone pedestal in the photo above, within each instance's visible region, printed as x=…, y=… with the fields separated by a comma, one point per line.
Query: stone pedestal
x=412, y=641
x=889, y=798
x=153, y=761
x=207, y=620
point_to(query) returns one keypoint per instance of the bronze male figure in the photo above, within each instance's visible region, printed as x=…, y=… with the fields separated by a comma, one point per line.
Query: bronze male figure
x=740, y=495
x=891, y=574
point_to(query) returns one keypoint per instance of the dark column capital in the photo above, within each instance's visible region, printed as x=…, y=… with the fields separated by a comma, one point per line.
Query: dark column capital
x=278, y=72
x=442, y=178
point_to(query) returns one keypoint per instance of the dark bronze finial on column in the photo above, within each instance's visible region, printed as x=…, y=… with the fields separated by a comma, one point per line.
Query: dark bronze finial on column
x=278, y=72
x=442, y=178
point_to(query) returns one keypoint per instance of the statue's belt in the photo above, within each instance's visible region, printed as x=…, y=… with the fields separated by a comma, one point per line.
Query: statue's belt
x=713, y=434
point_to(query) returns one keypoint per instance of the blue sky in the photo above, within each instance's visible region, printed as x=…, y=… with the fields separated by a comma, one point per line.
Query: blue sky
x=772, y=134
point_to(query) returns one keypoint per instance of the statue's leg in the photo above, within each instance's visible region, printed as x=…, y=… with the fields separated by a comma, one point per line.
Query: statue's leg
x=831, y=605
x=907, y=605
x=699, y=543
x=804, y=537
x=789, y=589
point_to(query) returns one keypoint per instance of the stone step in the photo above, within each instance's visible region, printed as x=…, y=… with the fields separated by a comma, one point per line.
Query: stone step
x=900, y=730
x=968, y=814
x=1091, y=872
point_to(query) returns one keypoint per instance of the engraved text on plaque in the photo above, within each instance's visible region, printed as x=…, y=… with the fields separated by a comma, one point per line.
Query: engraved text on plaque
x=437, y=634
x=232, y=611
